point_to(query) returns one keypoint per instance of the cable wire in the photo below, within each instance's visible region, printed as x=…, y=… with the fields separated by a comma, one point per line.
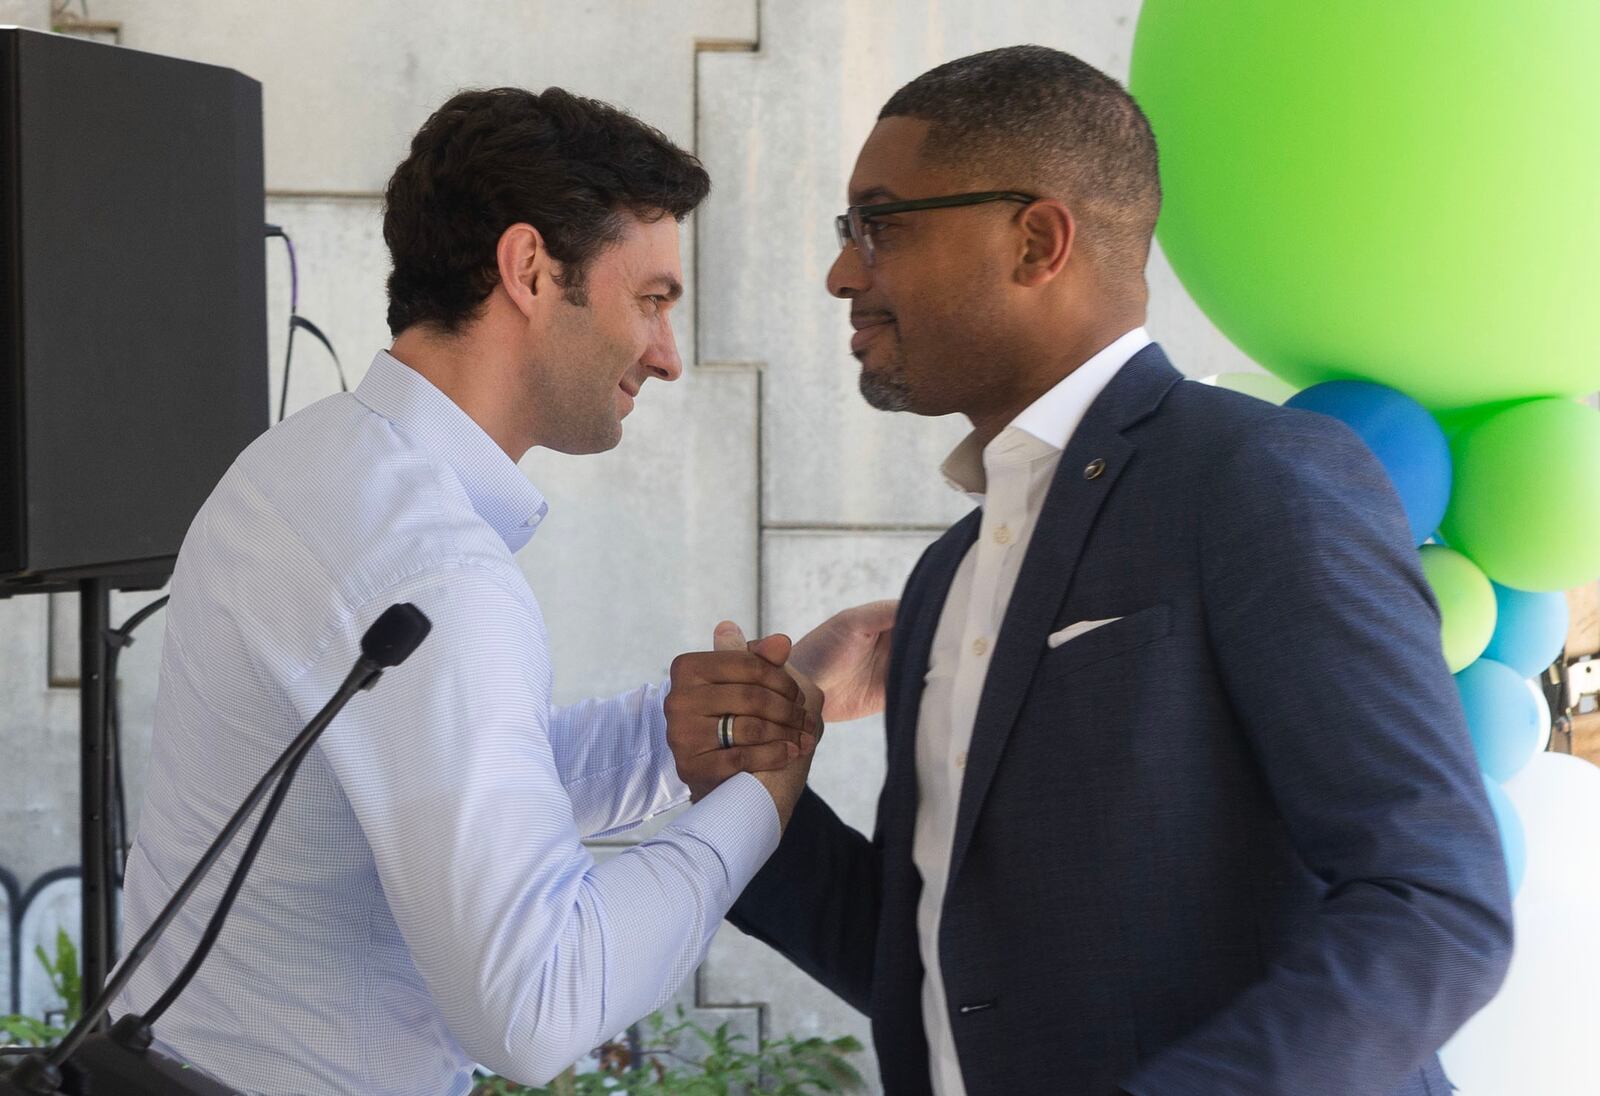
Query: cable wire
x=298, y=322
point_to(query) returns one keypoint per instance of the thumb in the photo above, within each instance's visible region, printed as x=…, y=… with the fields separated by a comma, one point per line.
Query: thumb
x=728, y=636
x=774, y=648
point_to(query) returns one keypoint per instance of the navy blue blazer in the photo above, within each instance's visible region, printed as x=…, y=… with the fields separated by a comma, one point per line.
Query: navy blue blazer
x=1233, y=844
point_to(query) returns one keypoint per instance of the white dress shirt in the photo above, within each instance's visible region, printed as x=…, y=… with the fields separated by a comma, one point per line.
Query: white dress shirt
x=424, y=902
x=1009, y=478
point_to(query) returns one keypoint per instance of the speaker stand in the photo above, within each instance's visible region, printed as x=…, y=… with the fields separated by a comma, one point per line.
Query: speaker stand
x=94, y=816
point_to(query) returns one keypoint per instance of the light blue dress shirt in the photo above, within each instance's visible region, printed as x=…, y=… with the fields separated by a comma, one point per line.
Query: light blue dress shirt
x=424, y=902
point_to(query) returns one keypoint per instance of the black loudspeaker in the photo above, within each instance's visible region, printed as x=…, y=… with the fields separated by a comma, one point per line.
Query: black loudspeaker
x=133, y=343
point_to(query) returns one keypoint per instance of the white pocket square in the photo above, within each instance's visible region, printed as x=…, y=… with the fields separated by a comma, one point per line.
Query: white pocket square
x=1073, y=631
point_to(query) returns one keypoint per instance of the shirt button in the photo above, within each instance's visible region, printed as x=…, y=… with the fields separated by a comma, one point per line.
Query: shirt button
x=980, y=647
x=961, y=759
x=1002, y=535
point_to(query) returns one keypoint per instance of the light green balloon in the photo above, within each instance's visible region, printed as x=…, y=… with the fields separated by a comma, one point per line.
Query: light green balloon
x=1401, y=192
x=1263, y=386
x=1525, y=501
x=1467, y=608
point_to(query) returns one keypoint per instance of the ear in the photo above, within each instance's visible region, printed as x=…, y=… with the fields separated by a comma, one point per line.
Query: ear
x=1048, y=230
x=524, y=267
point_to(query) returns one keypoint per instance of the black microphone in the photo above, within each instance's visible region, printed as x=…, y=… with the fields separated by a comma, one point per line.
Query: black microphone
x=124, y=1057
x=395, y=635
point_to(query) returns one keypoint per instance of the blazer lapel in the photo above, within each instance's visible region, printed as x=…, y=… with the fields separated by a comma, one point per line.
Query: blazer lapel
x=926, y=592
x=1093, y=462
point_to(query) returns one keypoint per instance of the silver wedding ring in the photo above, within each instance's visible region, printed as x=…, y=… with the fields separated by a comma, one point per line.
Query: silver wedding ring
x=725, y=731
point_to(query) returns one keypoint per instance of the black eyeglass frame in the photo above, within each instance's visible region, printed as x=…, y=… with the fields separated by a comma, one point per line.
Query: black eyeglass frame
x=850, y=226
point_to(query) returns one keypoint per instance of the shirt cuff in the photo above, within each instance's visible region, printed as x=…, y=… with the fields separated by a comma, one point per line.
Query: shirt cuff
x=739, y=821
x=665, y=764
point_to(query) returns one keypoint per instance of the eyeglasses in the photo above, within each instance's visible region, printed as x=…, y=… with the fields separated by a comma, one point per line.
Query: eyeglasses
x=854, y=223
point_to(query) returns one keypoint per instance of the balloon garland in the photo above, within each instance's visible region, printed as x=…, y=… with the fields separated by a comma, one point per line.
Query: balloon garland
x=1391, y=207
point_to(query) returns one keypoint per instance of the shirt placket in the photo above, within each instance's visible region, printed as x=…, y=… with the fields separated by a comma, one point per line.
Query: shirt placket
x=1002, y=515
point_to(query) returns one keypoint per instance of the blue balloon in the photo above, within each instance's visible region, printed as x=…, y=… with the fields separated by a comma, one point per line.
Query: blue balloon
x=1530, y=631
x=1407, y=441
x=1512, y=840
x=1502, y=716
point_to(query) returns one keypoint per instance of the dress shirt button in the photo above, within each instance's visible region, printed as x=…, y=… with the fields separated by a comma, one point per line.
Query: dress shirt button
x=980, y=647
x=961, y=759
x=1002, y=535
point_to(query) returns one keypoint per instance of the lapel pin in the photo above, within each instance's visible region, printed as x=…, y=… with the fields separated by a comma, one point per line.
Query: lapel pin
x=1093, y=469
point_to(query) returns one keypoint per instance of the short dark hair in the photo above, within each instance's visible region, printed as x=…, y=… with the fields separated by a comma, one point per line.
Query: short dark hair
x=569, y=166
x=1035, y=119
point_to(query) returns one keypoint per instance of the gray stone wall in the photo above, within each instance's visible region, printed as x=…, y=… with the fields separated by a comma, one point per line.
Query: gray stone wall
x=34, y=14
x=758, y=488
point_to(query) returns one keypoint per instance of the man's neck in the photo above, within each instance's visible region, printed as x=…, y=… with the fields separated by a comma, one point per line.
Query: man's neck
x=470, y=376
x=1049, y=368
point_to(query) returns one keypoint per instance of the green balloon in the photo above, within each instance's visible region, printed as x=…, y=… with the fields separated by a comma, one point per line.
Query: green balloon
x=1263, y=386
x=1464, y=418
x=1525, y=501
x=1467, y=607
x=1396, y=192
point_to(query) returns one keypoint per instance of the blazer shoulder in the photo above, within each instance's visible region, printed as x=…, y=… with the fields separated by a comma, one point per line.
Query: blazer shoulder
x=1259, y=462
x=1229, y=428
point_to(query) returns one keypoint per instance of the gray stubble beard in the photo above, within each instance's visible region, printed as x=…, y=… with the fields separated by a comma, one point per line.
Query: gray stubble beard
x=884, y=391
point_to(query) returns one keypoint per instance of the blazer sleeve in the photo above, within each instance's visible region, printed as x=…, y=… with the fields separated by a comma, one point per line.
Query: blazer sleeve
x=816, y=901
x=1326, y=635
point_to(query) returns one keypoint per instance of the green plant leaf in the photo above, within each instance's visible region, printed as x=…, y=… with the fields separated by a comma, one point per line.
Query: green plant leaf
x=776, y=1067
x=27, y=1031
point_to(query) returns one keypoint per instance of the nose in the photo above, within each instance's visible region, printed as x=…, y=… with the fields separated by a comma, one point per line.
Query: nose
x=661, y=356
x=848, y=276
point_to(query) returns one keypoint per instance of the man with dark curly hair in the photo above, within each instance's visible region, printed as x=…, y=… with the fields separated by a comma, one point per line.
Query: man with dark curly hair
x=426, y=902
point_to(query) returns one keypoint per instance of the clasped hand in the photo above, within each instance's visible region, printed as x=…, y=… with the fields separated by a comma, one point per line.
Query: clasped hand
x=778, y=695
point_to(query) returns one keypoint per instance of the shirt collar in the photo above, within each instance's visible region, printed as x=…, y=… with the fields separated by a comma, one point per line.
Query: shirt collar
x=1046, y=425
x=496, y=487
